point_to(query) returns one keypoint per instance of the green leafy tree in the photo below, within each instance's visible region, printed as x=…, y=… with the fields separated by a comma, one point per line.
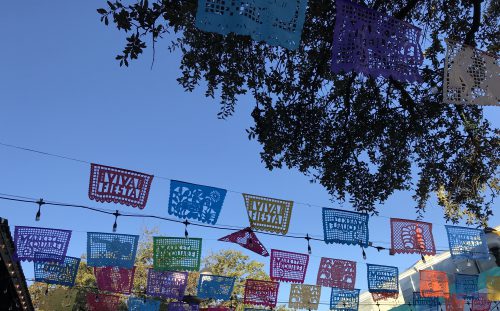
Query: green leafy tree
x=225, y=262
x=361, y=138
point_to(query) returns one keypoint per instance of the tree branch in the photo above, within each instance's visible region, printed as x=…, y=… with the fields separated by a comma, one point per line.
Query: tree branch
x=406, y=10
x=476, y=22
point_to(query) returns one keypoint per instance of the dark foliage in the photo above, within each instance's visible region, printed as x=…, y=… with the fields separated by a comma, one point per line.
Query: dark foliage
x=361, y=138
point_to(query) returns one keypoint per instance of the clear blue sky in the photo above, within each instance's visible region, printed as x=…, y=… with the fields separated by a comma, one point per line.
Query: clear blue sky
x=61, y=91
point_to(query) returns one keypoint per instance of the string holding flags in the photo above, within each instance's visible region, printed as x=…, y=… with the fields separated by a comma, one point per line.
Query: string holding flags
x=466, y=286
x=54, y=272
x=304, y=296
x=112, y=184
x=288, y=266
x=248, y=239
x=192, y=201
x=434, y=284
x=171, y=253
x=467, y=243
x=102, y=302
x=115, y=279
x=375, y=44
x=345, y=227
x=336, y=273
x=344, y=299
x=268, y=214
x=50, y=244
x=276, y=22
x=110, y=249
x=142, y=304
x=166, y=284
x=261, y=293
x=471, y=76
x=382, y=279
x=410, y=236
x=215, y=287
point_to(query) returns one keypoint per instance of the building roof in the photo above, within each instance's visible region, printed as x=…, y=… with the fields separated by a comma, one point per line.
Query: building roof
x=14, y=294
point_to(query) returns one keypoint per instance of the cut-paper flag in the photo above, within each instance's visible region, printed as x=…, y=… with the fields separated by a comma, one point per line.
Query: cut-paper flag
x=345, y=227
x=248, y=239
x=49, y=244
x=110, y=249
x=337, y=273
x=117, y=185
x=410, y=236
x=304, y=296
x=288, y=266
x=375, y=44
x=54, y=272
x=471, y=76
x=115, y=279
x=166, y=284
x=268, y=214
x=276, y=22
x=197, y=202
x=215, y=287
x=176, y=254
x=261, y=293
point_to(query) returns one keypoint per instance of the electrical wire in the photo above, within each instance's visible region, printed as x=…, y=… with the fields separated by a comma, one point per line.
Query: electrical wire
x=156, y=176
x=16, y=198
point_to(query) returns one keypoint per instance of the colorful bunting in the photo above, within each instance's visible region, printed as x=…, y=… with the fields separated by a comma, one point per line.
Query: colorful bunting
x=466, y=286
x=60, y=299
x=304, y=296
x=112, y=184
x=493, y=287
x=50, y=244
x=454, y=303
x=424, y=303
x=248, y=239
x=166, y=284
x=345, y=227
x=410, y=236
x=288, y=266
x=467, y=243
x=481, y=303
x=344, y=299
x=170, y=253
x=53, y=272
x=143, y=304
x=191, y=201
x=336, y=273
x=434, y=284
x=382, y=279
x=261, y=293
x=276, y=22
x=215, y=287
x=115, y=279
x=471, y=76
x=102, y=302
x=109, y=249
x=268, y=214
x=375, y=44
